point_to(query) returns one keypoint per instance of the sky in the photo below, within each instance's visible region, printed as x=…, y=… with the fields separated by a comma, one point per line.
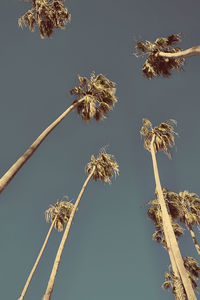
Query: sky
x=110, y=253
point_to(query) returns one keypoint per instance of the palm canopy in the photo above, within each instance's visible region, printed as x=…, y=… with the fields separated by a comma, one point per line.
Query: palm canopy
x=61, y=212
x=98, y=96
x=47, y=14
x=105, y=166
x=188, y=207
x=192, y=268
x=156, y=65
x=164, y=135
x=155, y=214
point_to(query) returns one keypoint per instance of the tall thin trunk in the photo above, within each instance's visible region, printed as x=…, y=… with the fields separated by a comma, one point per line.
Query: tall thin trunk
x=36, y=262
x=49, y=289
x=7, y=177
x=194, y=239
x=182, y=54
x=168, y=231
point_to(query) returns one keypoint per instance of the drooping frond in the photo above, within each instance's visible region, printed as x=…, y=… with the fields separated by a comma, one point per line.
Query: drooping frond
x=193, y=269
x=98, y=96
x=61, y=211
x=173, y=282
x=47, y=14
x=156, y=65
x=105, y=165
x=164, y=135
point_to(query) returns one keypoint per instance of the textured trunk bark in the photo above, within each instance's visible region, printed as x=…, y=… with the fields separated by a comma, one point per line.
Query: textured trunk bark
x=36, y=262
x=182, y=54
x=194, y=240
x=7, y=177
x=49, y=289
x=169, y=233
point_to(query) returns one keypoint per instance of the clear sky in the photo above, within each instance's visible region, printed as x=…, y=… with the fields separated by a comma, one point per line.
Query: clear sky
x=110, y=254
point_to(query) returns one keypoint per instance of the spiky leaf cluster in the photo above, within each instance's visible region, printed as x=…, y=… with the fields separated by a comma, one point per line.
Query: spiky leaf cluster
x=171, y=281
x=105, y=166
x=47, y=14
x=155, y=214
x=190, y=212
x=164, y=135
x=61, y=211
x=193, y=269
x=98, y=95
x=156, y=65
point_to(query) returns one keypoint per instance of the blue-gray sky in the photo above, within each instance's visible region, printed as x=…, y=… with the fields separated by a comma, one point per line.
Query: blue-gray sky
x=110, y=254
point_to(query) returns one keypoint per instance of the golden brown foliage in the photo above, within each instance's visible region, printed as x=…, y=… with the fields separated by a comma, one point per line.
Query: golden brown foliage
x=105, y=166
x=98, y=96
x=156, y=65
x=61, y=211
x=164, y=135
x=47, y=14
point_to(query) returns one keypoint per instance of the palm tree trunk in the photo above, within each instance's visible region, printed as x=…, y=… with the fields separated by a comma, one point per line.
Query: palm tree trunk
x=182, y=54
x=49, y=289
x=194, y=239
x=36, y=262
x=168, y=231
x=7, y=177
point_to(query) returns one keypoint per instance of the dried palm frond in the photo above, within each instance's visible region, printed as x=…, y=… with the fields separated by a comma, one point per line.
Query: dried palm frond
x=98, y=96
x=47, y=14
x=105, y=165
x=61, y=211
x=156, y=65
x=164, y=135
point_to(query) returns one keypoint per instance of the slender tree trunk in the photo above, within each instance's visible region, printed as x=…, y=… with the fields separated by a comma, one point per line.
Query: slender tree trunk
x=194, y=239
x=169, y=233
x=182, y=54
x=7, y=177
x=36, y=262
x=49, y=289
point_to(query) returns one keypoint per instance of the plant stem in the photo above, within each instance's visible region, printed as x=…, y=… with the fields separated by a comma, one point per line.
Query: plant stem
x=182, y=54
x=168, y=231
x=194, y=239
x=7, y=177
x=36, y=262
x=49, y=289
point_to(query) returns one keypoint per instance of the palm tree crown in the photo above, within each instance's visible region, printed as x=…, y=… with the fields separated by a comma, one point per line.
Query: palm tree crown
x=98, y=96
x=61, y=212
x=156, y=65
x=105, y=166
x=164, y=135
x=47, y=14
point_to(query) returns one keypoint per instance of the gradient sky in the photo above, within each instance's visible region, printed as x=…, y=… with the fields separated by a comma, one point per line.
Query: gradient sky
x=110, y=254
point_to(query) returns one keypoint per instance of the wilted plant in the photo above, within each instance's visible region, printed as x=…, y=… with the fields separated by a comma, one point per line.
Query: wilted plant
x=94, y=99
x=155, y=139
x=98, y=94
x=102, y=168
x=47, y=14
x=156, y=64
x=59, y=215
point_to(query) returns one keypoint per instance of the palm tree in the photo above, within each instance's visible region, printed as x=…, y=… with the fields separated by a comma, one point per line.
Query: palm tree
x=47, y=14
x=101, y=168
x=59, y=215
x=192, y=268
x=155, y=214
x=163, y=56
x=188, y=211
x=156, y=139
x=94, y=99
